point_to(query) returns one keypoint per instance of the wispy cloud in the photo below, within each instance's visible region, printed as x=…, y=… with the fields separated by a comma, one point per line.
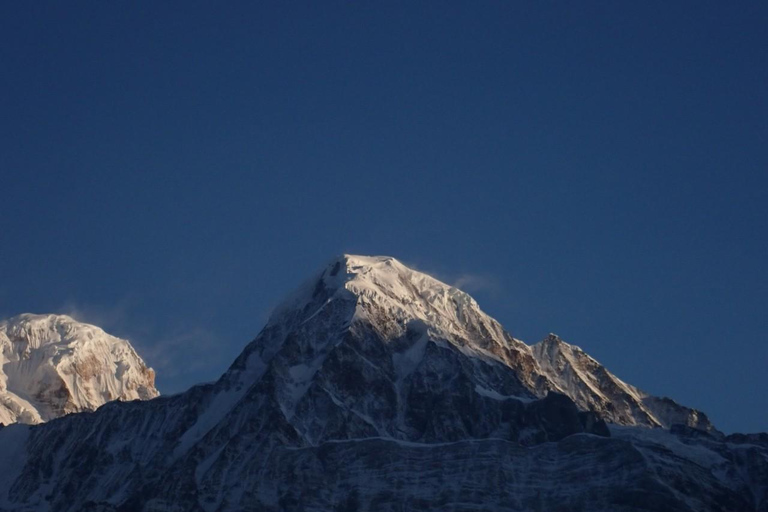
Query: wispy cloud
x=472, y=283
x=469, y=282
x=113, y=318
x=181, y=354
x=187, y=351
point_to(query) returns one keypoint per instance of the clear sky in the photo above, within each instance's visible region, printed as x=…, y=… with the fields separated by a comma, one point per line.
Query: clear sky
x=169, y=170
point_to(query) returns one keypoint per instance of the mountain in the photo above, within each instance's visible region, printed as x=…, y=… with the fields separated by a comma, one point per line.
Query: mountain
x=377, y=387
x=52, y=365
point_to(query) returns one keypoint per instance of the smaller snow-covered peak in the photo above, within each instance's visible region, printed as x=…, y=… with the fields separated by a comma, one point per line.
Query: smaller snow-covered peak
x=52, y=365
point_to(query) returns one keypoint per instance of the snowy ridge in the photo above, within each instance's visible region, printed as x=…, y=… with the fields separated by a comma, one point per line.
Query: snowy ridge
x=51, y=365
x=591, y=386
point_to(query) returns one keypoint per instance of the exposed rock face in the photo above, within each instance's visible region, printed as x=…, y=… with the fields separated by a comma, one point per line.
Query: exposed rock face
x=376, y=387
x=51, y=365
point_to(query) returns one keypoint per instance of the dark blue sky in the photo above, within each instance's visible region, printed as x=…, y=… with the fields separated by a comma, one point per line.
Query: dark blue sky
x=170, y=170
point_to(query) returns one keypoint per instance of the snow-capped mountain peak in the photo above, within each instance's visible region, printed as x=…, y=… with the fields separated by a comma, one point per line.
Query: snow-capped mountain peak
x=382, y=294
x=51, y=365
x=378, y=275
x=391, y=296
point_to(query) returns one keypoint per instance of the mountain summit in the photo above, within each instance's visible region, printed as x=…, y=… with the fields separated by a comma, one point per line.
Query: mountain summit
x=51, y=365
x=378, y=387
x=407, y=314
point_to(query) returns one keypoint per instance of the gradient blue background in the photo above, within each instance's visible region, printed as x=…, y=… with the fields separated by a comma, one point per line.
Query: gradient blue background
x=598, y=170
